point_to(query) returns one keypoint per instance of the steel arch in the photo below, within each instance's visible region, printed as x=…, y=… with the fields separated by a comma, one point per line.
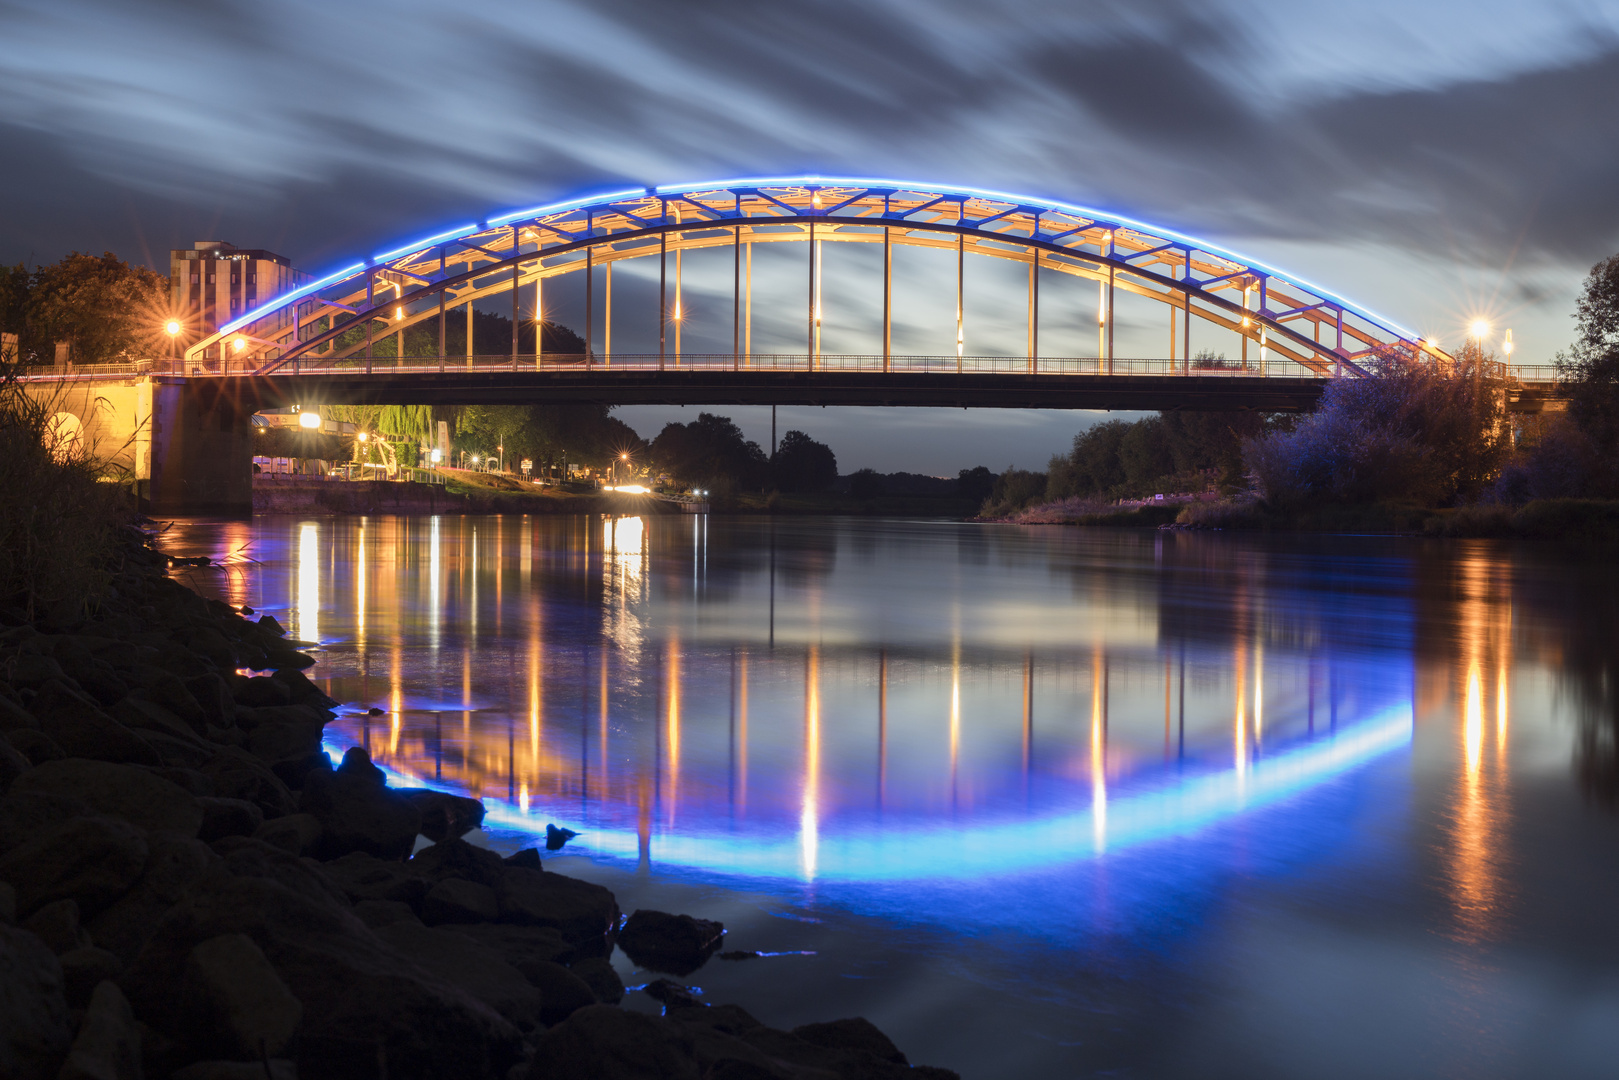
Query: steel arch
x=422, y=279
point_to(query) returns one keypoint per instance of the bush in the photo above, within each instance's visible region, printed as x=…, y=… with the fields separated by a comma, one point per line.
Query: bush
x=57, y=516
x=1410, y=432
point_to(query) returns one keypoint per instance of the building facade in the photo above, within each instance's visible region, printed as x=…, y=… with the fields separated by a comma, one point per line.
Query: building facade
x=215, y=282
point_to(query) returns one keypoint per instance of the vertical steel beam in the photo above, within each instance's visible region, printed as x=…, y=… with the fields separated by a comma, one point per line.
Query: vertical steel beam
x=1112, y=248
x=469, y=328
x=441, y=309
x=516, y=272
x=747, y=312
x=539, y=317
x=663, y=294
x=888, y=295
x=680, y=310
x=1186, y=329
x=736, y=291
x=809, y=343
x=607, y=322
x=590, y=303
x=370, y=320
x=961, y=257
x=1034, y=306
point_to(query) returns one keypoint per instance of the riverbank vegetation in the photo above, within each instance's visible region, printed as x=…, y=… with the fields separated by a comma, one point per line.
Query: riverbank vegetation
x=1415, y=446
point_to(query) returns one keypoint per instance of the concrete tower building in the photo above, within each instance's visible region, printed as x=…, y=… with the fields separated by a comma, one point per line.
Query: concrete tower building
x=215, y=282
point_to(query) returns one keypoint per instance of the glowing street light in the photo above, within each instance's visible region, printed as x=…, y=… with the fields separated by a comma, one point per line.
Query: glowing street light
x=309, y=419
x=1479, y=330
x=172, y=327
x=1506, y=346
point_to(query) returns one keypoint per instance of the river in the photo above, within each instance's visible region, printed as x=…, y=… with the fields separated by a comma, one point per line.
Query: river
x=1038, y=801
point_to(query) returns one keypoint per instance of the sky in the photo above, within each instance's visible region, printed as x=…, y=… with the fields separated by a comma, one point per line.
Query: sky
x=1432, y=160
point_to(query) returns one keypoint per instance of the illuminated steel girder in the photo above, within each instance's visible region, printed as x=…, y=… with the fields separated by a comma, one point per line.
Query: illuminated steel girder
x=1279, y=312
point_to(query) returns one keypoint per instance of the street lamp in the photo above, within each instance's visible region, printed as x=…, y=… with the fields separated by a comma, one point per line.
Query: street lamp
x=1480, y=329
x=172, y=328
x=309, y=420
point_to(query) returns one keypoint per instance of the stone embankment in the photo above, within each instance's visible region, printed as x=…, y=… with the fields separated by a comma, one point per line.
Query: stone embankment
x=189, y=889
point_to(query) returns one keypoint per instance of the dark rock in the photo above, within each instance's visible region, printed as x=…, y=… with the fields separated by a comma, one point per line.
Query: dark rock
x=672, y=994
x=279, y=1069
x=456, y=901
x=80, y=728
x=555, y=837
x=140, y=714
x=297, y=834
x=856, y=1033
x=208, y=641
x=237, y=1005
x=676, y=944
x=561, y=991
x=357, y=812
x=247, y=857
x=584, y=913
x=13, y=716
x=520, y=944
x=174, y=863
x=57, y=925
x=455, y=858
x=179, y=753
x=284, y=658
x=738, y=1069
x=285, y=739
x=36, y=746
x=228, y=817
x=374, y=711
x=34, y=1033
x=239, y=775
x=602, y=1042
x=213, y=697
x=294, y=771
x=25, y=815
x=379, y=913
x=108, y=1045
x=597, y=973
x=91, y=859
x=464, y=963
x=301, y=689
x=125, y=791
x=32, y=670
x=85, y=969
x=168, y=690
x=270, y=628
x=366, y=1005
x=366, y=877
x=259, y=691
x=251, y=717
x=738, y=954
x=189, y=779
x=8, y=903
x=12, y=765
x=719, y=1036
x=444, y=815
x=527, y=859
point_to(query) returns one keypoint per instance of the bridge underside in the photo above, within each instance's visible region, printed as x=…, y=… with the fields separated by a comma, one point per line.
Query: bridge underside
x=998, y=391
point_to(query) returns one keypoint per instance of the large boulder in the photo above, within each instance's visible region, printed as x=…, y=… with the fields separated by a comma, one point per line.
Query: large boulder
x=237, y=1005
x=366, y=1006
x=366, y=877
x=237, y=774
x=85, y=969
x=81, y=729
x=603, y=1042
x=856, y=1033
x=677, y=944
x=562, y=993
x=124, y=791
x=57, y=925
x=481, y=972
x=12, y=765
x=295, y=833
x=228, y=817
x=358, y=812
x=457, y=901
x=583, y=913
x=34, y=1032
x=455, y=858
x=93, y=860
x=444, y=815
x=597, y=973
x=108, y=1045
x=173, y=863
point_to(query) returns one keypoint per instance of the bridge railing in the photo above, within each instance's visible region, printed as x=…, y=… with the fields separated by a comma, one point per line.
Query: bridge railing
x=798, y=362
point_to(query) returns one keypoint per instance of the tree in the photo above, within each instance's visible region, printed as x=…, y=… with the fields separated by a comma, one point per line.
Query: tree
x=1591, y=366
x=103, y=306
x=975, y=484
x=802, y=464
x=710, y=452
x=866, y=484
x=1014, y=489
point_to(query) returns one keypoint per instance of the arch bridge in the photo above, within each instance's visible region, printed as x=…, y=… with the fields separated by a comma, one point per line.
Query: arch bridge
x=1291, y=334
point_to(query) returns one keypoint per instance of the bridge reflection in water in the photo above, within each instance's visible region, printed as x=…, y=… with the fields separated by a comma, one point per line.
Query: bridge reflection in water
x=844, y=703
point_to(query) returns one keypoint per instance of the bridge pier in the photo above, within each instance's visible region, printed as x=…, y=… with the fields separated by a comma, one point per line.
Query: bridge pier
x=186, y=443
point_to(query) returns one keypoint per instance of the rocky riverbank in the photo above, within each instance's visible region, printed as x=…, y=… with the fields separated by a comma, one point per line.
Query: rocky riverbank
x=190, y=889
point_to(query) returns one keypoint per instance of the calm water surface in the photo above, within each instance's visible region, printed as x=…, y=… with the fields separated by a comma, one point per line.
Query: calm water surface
x=1040, y=802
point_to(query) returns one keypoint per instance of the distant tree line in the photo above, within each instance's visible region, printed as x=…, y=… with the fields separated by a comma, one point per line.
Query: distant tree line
x=711, y=453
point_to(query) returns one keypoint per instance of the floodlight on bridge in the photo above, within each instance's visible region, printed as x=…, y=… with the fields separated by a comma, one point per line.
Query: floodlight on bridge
x=1312, y=331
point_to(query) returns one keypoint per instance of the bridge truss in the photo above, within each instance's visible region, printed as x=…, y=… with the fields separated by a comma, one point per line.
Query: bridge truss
x=1291, y=326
